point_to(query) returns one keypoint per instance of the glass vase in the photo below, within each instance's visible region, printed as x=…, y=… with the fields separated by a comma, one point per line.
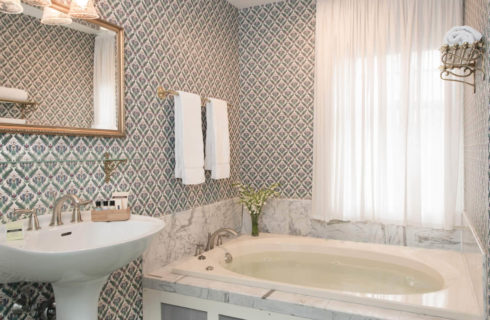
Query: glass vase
x=255, y=225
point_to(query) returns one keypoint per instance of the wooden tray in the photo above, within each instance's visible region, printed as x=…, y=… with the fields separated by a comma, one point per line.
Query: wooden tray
x=111, y=215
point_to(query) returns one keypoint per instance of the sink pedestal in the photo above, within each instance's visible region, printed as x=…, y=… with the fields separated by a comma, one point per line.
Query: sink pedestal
x=78, y=300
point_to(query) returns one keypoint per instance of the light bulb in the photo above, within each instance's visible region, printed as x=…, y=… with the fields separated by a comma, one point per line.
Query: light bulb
x=11, y=6
x=81, y=3
x=83, y=9
x=54, y=17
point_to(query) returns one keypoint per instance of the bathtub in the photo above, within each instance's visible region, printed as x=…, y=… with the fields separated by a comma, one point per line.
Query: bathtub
x=431, y=282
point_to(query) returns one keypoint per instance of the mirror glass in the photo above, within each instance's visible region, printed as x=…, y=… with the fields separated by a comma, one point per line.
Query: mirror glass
x=63, y=76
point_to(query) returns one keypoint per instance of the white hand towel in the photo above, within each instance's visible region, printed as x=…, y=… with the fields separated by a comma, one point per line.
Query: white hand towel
x=189, y=146
x=217, y=139
x=461, y=34
x=13, y=94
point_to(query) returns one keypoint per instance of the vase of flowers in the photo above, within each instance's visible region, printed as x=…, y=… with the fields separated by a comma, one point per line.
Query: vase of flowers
x=254, y=200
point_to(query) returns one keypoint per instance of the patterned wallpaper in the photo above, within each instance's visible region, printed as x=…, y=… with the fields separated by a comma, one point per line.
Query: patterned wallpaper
x=477, y=133
x=55, y=65
x=181, y=44
x=277, y=58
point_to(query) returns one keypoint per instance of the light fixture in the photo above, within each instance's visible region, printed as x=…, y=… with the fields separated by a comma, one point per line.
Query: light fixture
x=40, y=3
x=83, y=9
x=11, y=6
x=54, y=17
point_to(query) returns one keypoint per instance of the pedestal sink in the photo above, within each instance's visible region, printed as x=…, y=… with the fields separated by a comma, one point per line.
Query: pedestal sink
x=76, y=258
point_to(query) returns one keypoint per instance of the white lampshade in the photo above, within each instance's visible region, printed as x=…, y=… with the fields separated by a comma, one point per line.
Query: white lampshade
x=40, y=3
x=54, y=17
x=83, y=9
x=11, y=6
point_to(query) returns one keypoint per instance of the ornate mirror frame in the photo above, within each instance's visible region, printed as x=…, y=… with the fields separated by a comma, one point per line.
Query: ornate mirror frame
x=70, y=131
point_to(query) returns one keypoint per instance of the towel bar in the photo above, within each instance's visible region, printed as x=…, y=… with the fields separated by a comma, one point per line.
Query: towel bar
x=162, y=93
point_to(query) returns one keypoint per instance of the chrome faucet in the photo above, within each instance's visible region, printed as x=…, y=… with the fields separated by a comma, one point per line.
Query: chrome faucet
x=217, y=235
x=32, y=217
x=58, y=205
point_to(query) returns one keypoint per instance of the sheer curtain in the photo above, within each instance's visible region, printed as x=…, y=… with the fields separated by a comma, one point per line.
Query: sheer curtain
x=388, y=131
x=105, y=113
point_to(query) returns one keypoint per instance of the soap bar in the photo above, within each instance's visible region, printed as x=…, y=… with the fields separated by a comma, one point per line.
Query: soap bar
x=15, y=230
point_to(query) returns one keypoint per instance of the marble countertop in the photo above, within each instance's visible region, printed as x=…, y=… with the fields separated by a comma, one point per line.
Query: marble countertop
x=271, y=300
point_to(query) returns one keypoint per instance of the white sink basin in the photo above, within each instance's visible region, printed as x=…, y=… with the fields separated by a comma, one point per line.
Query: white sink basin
x=76, y=258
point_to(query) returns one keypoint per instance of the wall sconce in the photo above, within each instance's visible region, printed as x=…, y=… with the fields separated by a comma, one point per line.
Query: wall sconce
x=461, y=61
x=83, y=9
x=54, y=17
x=11, y=6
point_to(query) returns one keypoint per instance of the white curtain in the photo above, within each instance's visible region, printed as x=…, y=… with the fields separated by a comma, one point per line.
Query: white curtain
x=105, y=113
x=388, y=131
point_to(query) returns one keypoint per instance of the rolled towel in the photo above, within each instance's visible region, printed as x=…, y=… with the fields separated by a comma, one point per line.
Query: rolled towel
x=11, y=6
x=13, y=121
x=462, y=34
x=13, y=94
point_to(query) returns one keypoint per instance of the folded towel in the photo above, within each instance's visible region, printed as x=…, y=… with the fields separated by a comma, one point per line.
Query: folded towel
x=217, y=139
x=189, y=146
x=13, y=121
x=13, y=94
x=461, y=34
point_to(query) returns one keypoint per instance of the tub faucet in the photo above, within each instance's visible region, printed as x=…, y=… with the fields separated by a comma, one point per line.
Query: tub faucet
x=217, y=235
x=58, y=205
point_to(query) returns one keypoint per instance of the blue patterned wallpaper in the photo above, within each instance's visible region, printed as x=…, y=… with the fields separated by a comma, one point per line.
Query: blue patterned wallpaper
x=477, y=136
x=187, y=45
x=277, y=58
x=54, y=65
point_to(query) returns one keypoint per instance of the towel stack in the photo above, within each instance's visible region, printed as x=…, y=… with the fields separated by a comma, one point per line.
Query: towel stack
x=462, y=34
x=189, y=148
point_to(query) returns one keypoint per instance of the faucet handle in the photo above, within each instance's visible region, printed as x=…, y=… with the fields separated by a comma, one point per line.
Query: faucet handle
x=76, y=210
x=199, y=250
x=32, y=216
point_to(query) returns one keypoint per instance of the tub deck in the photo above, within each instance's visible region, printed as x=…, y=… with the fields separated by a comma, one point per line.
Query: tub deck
x=162, y=285
x=191, y=277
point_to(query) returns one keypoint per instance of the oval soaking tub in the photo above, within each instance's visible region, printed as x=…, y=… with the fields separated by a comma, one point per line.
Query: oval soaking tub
x=433, y=282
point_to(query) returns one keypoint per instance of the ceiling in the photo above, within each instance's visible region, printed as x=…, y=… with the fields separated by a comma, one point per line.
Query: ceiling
x=240, y=4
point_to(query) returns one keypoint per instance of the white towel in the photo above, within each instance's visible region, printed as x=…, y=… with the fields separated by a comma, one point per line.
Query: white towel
x=217, y=139
x=189, y=146
x=13, y=94
x=13, y=121
x=461, y=34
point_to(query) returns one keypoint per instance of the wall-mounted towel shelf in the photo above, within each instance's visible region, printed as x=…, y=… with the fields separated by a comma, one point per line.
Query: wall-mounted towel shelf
x=461, y=61
x=23, y=105
x=163, y=93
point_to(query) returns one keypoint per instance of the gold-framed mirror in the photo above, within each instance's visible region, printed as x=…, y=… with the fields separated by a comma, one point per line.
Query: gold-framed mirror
x=61, y=79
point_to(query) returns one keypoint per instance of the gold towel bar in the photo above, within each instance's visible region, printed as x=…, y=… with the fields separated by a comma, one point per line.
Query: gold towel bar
x=162, y=93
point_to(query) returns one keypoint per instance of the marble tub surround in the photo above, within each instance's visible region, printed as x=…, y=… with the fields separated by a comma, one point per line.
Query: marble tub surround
x=184, y=230
x=476, y=262
x=293, y=216
x=297, y=305
x=418, y=280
